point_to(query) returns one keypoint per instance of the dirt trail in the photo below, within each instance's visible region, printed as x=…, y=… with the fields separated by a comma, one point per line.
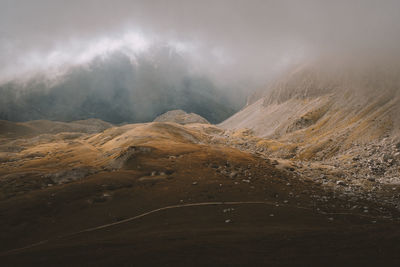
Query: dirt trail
x=162, y=209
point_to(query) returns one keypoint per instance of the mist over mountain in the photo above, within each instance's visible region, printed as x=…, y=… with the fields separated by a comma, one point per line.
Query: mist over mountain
x=118, y=88
x=200, y=133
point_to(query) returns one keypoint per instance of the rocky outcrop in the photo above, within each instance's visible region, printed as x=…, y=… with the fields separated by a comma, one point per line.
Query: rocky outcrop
x=181, y=117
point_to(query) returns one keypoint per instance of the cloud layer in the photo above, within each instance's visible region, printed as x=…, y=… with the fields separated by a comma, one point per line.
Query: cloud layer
x=250, y=39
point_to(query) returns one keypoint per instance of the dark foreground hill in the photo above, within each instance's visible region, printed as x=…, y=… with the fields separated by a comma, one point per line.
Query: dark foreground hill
x=164, y=194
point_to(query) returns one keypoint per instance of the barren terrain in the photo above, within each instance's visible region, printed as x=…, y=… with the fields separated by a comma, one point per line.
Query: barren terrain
x=178, y=195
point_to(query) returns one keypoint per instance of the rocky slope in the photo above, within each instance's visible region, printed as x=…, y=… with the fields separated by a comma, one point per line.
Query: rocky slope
x=308, y=102
x=348, y=120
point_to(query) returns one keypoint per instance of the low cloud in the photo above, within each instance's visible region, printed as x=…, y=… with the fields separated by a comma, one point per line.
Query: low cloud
x=247, y=39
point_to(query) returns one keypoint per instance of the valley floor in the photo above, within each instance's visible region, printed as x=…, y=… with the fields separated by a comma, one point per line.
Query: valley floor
x=162, y=194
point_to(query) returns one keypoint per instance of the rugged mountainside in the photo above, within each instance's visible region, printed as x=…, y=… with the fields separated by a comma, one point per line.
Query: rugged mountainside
x=309, y=103
x=324, y=112
x=347, y=120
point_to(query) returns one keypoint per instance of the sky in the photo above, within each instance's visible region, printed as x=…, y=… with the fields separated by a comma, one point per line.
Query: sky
x=230, y=40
